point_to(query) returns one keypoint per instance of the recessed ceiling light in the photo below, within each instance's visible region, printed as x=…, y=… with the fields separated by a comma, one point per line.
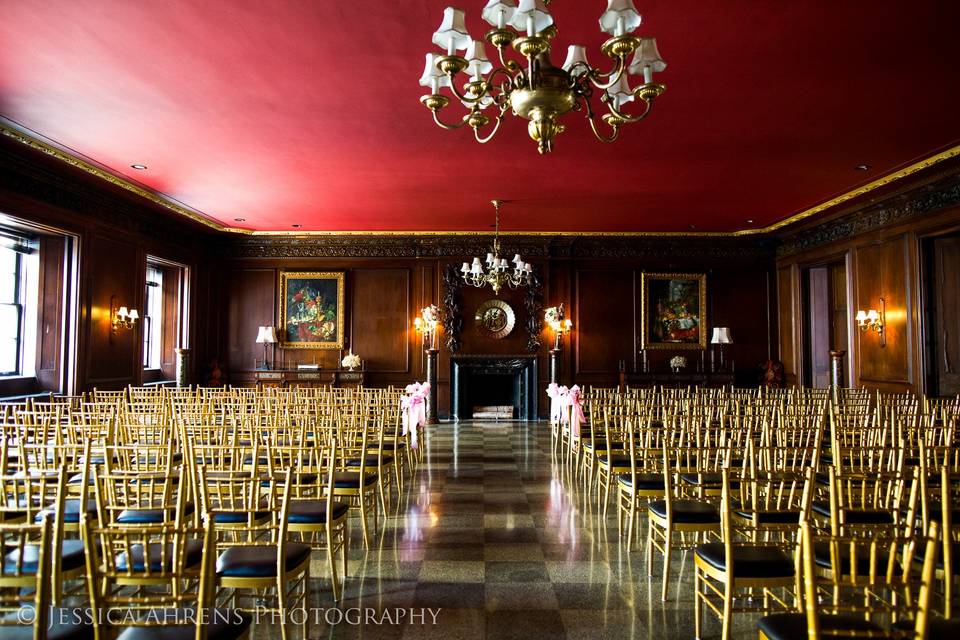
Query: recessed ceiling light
x=750, y=221
x=693, y=226
x=240, y=219
x=296, y=226
x=862, y=167
x=139, y=167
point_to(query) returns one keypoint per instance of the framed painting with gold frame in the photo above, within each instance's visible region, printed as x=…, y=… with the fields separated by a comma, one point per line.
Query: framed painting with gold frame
x=311, y=310
x=673, y=311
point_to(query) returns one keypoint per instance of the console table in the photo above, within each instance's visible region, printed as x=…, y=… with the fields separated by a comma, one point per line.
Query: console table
x=307, y=377
x=677, y=380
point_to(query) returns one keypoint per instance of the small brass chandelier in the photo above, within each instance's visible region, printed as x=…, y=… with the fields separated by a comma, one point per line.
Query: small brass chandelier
x=535, y=89
x=496, y=271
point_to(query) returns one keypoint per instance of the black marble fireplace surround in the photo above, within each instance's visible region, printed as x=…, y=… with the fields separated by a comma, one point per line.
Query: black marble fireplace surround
x=493, y=380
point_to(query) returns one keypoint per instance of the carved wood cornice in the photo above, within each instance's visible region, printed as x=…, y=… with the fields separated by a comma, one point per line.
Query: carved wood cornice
x=896, y=210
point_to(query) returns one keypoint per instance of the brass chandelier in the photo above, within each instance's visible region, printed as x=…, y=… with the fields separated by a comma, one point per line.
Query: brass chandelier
x=496, y=271
x=535, y=89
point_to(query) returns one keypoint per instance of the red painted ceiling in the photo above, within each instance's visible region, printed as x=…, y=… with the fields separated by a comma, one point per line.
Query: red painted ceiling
x=307, y=113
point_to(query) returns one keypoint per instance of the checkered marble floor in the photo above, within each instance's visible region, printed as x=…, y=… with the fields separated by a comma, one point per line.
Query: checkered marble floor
x=494, y=539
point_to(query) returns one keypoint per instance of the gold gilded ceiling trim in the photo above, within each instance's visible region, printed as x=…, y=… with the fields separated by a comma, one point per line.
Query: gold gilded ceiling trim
x=18, y=134
x=883, y=181
x=74, y=161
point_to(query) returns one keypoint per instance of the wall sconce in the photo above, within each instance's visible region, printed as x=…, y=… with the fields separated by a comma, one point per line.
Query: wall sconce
x=426, y=324
x=873, y=320
x=121, y=317
x=555, y=318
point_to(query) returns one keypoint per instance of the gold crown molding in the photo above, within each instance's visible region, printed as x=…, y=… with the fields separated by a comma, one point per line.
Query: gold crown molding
x=106, y=175
x=15, y=133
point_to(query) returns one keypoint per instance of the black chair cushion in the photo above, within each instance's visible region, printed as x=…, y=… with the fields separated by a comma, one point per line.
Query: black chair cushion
x=160, y=558
x=238, y=517
x=63, y=624
x=71, y=510
x=771, y=517
x=645, y=481
x=748, y=562
x=391, y=446
x=71, y=557
x=821, y=555
x=221, y=624
x=854, y=516
x=298, y=478
x=259, y=562
x=793, y=626
x=145, y=516
x=686, y=511
x=705, y=479
x=314, y=511
x=351, y=479
x=371, y=460
x=616, y=461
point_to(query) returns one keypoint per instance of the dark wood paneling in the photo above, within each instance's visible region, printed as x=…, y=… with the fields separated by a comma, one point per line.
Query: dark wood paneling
x=945, y=327
x=786, y=294
x=113, y=268
x=882, y=273
x=380, y=318
x=819, y=315
x=250, y=296
x=50, y=313
x=604, y=319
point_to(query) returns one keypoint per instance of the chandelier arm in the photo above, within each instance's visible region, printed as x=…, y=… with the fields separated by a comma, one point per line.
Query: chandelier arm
x=463, y=97
x=614, y=75
x=627, y=119
x=443, y=125
x=507, y=85
x=507, y=64
x=602, y=138
x=493, y=132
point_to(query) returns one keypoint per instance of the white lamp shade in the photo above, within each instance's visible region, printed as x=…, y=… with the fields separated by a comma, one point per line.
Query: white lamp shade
x=872, y=315
x=621, y=92
x=620, y=17
x=133, y=314
x=478, y=63
x=647, y=56
x=499, y=12
x=452, y=34
x=535, y=9
x=431, y=73
x=721, y=335
x=576, y=53
x=267, y=335
x=485, y=102
x=122, y=312
x=861, y=316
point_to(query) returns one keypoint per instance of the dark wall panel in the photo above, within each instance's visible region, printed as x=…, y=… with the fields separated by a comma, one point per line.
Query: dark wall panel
x=605, y=319
x=380, y=318
x=882, y=273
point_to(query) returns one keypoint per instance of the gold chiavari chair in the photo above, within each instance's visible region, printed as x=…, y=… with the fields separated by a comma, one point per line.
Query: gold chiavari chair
x=257, y=556
x=644, y=481
x=696, y=520
x=316, y=517
x=356, y=484
x=817, y=620
x=746, y=561
x=177, y=595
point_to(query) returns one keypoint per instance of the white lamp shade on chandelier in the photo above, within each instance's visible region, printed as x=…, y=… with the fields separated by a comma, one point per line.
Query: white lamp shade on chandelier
x=576, y=53
x=721, y=335
x=620, y=18
x=531, y=16
x=478, y=63
x=499, y=13
x=432, y=76
x=647, y=60
x=452, y=34
x=267, y=335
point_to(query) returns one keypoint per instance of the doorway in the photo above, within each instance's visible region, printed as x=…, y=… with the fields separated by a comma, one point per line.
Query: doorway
x=825, y=325
x=942, y=308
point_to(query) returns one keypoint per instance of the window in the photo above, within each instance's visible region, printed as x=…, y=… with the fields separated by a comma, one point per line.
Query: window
x=18, y=306
x=153, y=318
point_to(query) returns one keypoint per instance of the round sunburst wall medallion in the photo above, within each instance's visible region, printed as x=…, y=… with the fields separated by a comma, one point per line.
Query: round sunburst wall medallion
x=495, y=319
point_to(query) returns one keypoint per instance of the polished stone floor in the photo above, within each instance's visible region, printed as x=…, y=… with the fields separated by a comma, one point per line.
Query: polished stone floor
x=493, y=539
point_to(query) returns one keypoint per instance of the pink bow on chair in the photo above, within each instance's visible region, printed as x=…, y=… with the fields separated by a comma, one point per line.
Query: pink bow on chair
x=576, y=410
x=415, y=409
x=558, y=397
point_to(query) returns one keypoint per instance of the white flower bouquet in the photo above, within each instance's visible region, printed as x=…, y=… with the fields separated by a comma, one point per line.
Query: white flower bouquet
x=351, y=361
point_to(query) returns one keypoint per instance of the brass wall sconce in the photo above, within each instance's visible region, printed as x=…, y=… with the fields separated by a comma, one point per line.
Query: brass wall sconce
x=427, y=323
x=121, y=317
x=560, y=324
x=874, y=320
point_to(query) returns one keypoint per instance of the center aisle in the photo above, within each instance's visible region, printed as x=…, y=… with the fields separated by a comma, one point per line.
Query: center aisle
x=494, y=534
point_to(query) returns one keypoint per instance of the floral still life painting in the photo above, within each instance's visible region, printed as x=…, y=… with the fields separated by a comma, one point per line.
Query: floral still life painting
x=673, y=311
x=311, y=310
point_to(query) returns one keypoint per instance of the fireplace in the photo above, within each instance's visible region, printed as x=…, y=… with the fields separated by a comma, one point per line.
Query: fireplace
x=488, y=380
